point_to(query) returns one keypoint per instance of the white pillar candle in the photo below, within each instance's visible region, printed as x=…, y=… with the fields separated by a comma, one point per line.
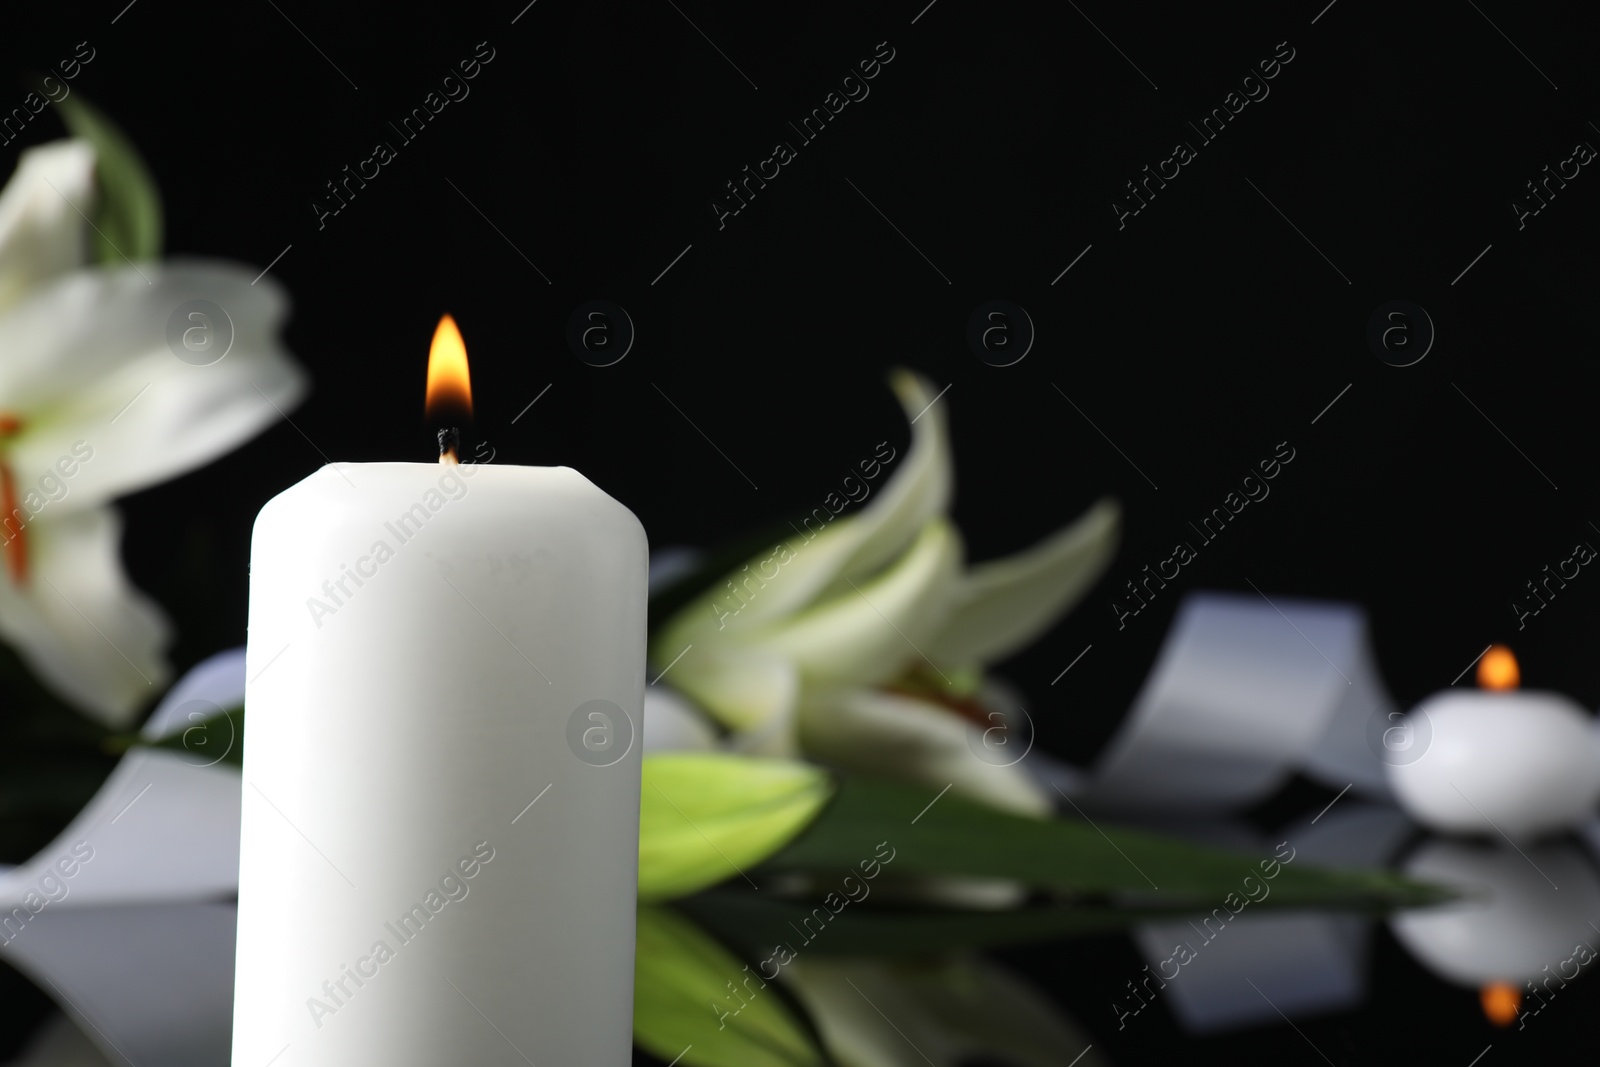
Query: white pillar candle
x=439, y=853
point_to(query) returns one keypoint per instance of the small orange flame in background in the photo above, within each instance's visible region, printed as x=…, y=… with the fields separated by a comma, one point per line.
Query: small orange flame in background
x=1498, y=669
x=449, y=383
x=1501, y=1001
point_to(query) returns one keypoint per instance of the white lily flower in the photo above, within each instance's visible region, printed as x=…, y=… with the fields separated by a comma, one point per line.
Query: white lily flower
x=791, y=653
x=93, y=405
x=898, y=735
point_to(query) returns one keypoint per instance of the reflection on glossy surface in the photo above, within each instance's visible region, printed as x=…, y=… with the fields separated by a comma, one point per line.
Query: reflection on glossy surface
x=146, y=983
x=1500, y=1001
x=59, y=1043
x=1514, y=925
x=1307, y=963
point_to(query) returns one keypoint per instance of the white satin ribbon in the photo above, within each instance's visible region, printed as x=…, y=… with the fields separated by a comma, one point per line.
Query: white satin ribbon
x=139, y=952
x=1244, y=693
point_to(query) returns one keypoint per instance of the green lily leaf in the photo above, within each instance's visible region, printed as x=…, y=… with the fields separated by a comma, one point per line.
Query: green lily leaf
x=214, y=740
x=696, y=1004
x=705, y=817
x=949, y=835
x=128, y=214
x=753, y=924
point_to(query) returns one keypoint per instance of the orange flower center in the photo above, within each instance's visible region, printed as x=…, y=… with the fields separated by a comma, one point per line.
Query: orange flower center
x=968, y=708
x=13, y=518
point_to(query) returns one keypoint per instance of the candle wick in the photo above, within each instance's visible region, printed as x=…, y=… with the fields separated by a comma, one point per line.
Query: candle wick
x=449, y=441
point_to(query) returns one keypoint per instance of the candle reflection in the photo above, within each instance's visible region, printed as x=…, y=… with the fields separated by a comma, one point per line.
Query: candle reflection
x=1514, y=935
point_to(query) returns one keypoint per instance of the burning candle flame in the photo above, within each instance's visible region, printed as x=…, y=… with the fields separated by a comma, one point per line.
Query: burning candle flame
x=1501, y=1000
x=449, y=383
x=1498, y=669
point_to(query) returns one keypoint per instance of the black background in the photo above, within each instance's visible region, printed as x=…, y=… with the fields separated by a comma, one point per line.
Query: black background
x=1197, y=338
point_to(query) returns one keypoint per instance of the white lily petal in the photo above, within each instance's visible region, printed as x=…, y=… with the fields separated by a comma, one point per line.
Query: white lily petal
x=858, y=545
x=775, y=583
x=778, y=737
x=826, y=553
x=78, y=622
x=898, y=736
x=181, y=841
x=744, y=687
x=919, y=490
x=1003, y=605
x=87, y=360
x=879, y=1013
x=869, y=632
x=672, y=724
x=42, y=233
x=750, y=678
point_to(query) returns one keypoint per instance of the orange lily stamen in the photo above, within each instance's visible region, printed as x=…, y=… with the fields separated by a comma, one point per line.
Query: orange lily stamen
x=16, y=543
